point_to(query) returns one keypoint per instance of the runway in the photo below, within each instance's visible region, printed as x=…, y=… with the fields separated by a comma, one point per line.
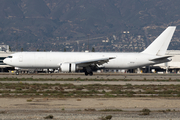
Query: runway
x=115, y=76
x=95, y=82
x=105, y=79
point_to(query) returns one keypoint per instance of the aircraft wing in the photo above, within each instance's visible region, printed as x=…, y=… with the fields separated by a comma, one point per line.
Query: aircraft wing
x=94, y=62
x=160, y=58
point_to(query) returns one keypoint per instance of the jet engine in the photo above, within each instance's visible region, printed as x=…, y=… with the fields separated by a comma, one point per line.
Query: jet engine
x=68, y=67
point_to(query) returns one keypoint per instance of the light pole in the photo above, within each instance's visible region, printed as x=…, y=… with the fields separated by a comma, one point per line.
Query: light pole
x=88, y=42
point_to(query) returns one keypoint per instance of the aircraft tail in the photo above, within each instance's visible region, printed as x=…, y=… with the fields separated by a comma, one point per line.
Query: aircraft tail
x=161, y=43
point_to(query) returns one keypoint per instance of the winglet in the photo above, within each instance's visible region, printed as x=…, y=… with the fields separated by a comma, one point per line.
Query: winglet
x=161, y=43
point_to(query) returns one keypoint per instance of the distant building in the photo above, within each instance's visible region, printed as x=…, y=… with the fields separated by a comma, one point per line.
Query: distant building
x=4, y=52
x=4, y=48
x=173, y=65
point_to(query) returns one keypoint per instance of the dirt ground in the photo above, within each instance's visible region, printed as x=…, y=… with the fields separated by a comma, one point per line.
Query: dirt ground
x=89, y=108
x=131, y=104
x=77, y=108
x=126, y=76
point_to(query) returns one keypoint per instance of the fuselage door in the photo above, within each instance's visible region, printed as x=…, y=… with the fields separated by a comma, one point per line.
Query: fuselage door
x=20, y=58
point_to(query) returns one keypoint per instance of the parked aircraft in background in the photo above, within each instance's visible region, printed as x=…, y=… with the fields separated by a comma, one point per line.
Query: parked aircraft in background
x=90, y=61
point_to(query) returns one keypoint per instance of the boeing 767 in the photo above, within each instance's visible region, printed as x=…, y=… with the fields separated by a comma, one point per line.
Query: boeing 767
x=90, y=61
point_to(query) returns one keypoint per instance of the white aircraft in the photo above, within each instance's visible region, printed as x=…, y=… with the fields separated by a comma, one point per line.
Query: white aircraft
x=90, y=61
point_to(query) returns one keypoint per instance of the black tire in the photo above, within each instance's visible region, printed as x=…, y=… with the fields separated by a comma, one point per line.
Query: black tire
x=91, y=73
x=86, y=73
x=17, y=72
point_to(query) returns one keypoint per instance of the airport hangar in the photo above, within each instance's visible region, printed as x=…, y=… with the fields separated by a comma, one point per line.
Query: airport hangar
x=170, y=67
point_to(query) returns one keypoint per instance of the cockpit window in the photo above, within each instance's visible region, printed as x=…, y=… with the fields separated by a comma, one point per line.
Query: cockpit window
x=9, y=57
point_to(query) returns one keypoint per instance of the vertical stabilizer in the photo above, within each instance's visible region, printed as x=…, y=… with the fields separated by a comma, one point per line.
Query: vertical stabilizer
x=161, y=43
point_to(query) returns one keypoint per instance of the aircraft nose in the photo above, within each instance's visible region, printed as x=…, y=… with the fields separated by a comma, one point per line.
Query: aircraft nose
x=5, y=61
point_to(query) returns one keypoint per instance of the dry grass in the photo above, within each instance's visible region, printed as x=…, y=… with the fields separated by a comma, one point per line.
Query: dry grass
x=79, y=91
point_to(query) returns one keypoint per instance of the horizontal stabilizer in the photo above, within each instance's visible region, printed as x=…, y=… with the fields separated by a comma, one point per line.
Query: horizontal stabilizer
x=160, y=58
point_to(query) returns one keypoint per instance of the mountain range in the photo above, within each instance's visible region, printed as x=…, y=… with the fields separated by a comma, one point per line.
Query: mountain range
x=53, y=24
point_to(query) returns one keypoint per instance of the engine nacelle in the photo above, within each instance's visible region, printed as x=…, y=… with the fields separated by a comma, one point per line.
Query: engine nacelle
x=68, y=67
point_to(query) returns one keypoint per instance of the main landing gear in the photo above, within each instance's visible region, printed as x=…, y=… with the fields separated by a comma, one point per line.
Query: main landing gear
x=89, y=73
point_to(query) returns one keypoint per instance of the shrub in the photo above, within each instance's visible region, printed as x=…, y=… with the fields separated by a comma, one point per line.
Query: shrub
x=49, y=117
x=110, y=110
x=108, y=117
x=145, y=111
x=168, y=110
x=90, y=109
x=18, y=88
x=78, y=99
x=29, y=100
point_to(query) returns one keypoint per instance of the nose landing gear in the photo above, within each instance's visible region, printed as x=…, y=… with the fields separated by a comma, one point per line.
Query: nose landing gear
x=17, y=72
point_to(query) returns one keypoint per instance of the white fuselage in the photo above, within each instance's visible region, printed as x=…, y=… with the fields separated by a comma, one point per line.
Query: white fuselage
x=53, y=60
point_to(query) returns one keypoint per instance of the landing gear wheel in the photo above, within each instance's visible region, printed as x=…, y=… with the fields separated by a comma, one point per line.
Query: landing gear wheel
x=17, y=72
x=86, y=73
x=91, y=73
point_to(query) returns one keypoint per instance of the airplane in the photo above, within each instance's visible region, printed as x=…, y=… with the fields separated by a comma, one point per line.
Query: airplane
x=91, y=61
